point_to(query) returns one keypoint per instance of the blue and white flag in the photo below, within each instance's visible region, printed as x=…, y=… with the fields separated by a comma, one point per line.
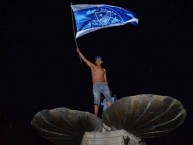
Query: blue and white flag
x=90, y=18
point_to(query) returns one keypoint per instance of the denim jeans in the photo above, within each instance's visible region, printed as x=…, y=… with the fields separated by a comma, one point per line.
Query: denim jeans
x=99, y=88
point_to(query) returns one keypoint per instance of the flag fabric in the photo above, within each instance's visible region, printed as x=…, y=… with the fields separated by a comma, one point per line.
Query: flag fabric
x=89, y=17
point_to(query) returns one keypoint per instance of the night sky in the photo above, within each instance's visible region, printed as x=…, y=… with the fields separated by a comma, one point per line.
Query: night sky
x=40, y=69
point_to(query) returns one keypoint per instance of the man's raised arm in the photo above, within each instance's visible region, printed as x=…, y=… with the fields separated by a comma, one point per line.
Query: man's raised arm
x=83, y=58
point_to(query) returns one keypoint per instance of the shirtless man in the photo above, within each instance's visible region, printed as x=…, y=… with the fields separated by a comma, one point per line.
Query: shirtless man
x=99, y=80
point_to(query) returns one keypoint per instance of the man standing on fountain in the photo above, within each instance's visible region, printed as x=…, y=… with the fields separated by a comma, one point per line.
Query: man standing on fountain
x=99, y=79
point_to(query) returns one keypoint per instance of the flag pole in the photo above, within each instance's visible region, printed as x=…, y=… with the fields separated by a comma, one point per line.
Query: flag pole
x=74, y=31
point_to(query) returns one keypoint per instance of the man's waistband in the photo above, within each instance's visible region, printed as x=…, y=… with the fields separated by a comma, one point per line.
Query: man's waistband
x=99, y=83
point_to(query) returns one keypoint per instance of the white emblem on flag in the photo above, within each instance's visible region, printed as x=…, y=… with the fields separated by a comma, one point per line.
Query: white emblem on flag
x=105, y=17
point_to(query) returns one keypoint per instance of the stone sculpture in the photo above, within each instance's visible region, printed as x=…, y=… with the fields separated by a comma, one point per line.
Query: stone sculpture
x=129, y=121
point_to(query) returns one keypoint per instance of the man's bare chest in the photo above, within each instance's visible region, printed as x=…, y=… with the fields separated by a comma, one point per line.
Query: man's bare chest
x=98, y=71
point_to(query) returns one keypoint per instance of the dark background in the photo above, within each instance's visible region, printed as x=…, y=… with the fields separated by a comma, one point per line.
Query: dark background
x=40, y=69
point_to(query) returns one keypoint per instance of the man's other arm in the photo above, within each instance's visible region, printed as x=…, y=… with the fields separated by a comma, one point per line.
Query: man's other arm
x=105, y=76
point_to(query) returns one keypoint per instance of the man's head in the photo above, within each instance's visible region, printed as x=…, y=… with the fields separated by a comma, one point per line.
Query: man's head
x=98, y=60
